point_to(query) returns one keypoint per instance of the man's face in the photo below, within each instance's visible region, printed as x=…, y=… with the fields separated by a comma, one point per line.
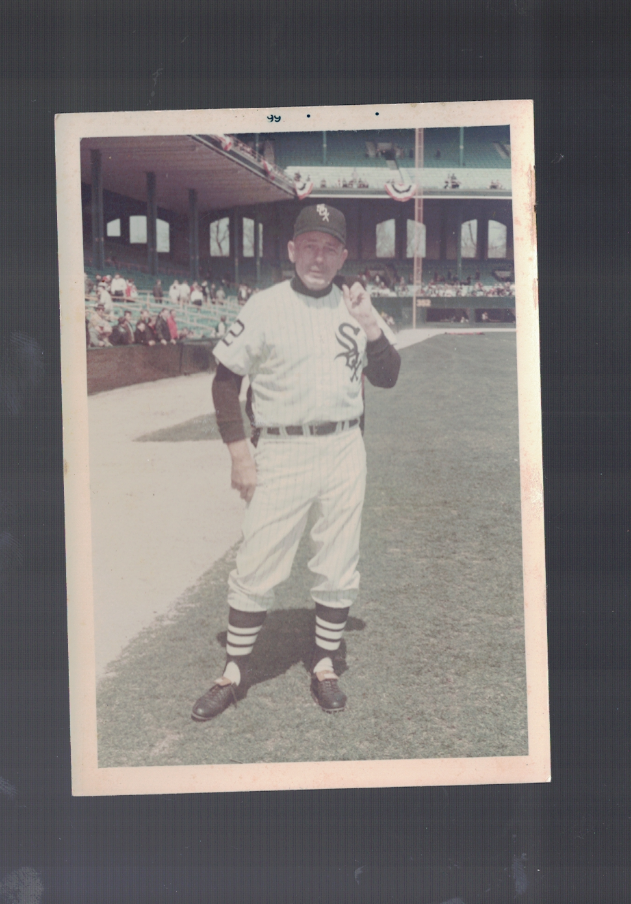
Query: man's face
x=318, y=257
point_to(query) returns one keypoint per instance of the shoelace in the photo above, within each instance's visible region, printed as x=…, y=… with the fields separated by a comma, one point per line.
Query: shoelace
x=216, y=688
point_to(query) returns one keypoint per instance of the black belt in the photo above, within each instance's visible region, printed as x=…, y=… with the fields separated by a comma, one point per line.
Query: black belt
x=310, y=429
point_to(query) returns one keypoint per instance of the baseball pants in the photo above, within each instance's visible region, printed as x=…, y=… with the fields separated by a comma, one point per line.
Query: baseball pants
x=293, y=474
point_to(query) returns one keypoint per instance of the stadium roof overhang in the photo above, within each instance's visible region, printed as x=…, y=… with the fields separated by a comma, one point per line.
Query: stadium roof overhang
x=222, y=179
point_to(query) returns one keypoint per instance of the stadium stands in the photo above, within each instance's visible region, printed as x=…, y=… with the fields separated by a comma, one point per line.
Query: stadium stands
x=431, y=269
x=435, y=181
x=201, y=322
x=485, y=148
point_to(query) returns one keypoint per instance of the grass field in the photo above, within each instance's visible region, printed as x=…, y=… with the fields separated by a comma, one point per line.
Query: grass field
x=433, y=662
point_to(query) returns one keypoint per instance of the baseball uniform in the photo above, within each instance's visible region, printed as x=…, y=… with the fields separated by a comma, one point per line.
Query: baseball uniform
x=305, y=356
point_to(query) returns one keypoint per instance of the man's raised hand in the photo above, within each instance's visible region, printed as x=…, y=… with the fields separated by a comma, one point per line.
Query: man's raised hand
x=360, y=307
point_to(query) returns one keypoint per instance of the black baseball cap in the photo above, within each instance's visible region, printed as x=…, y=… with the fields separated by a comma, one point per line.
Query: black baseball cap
x=321, y=218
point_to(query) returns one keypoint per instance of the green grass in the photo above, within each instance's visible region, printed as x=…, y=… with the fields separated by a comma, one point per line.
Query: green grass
x=434, y=653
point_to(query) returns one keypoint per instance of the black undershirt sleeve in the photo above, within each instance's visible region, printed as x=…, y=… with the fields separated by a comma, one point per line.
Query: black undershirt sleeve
x=384, y=362
x=226, y=389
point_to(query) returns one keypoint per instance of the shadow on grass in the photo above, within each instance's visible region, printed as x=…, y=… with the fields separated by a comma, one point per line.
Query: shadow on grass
x=286, y=639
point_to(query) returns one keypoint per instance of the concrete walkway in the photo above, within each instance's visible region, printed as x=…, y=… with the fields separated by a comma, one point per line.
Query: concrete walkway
x=162, y=513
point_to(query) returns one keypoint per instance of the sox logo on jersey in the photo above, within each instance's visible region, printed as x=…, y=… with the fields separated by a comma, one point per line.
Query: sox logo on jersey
x=351, y=353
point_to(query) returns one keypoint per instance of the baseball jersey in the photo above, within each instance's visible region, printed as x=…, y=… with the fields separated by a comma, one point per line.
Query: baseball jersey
x=304, y=356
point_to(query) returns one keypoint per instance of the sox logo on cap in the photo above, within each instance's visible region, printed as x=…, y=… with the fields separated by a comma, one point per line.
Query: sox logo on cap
x=323, y=211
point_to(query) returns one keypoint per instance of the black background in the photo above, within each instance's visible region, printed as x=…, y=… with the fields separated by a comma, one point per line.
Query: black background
x=415, y=845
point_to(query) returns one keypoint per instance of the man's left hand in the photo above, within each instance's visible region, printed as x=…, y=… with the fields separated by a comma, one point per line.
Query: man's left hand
x=360, y=307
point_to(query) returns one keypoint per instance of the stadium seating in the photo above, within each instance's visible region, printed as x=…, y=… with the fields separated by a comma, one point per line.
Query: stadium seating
x=441, y=268
x=486, y=148
x=201, y=321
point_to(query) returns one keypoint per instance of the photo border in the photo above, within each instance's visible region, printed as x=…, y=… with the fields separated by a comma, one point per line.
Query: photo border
x=87, y=777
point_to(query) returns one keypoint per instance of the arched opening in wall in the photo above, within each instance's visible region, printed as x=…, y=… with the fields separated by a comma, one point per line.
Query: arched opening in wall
x=415, y=239
x=385, y=238
x=163, y=242
x=138, y=230
x=138, y=233
x=113, y=229
x=248, y=238
x=220, y=238
x=469, y=239
x=497, y=239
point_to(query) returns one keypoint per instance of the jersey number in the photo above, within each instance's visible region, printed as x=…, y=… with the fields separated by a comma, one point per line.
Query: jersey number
x=234, y=332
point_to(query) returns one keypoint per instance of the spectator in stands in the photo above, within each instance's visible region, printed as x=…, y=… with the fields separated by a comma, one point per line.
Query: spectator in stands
x=221, y=326
x=212, y=292
x=118, y=286
x=105, y=300
x=88, y=285
x=99, y=327
x=161, y=328
x=174, y=292
x=197, y=296
x=242, y=294
x=205, y=291
x=185, y=292
x=131, y=292
x=172, y=325
x=123, y=333
x=158, y=293
x=220, y=294
x=143, y=334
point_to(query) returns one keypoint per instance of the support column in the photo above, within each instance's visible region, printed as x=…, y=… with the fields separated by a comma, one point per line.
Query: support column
x=204, y=244
x=98, y=225
x=443, y=231
x=257, y=245
x=152, y=225
x=459, y=240
x=193, y=235
x=324, y=149
x=461, y=155
x=483, y=238
x=235, y=236
x=400, y=235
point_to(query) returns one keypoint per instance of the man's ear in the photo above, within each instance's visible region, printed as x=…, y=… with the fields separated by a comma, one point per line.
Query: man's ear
x=344, y=256
x=291, y=251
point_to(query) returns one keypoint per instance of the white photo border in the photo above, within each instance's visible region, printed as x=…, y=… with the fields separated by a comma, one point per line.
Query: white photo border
x=87, y=777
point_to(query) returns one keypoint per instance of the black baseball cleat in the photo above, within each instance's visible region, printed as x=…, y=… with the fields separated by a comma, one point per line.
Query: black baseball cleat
x=327, y=693
x=214, y=702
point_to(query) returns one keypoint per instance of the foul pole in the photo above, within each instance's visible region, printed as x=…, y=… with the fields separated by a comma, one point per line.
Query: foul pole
x=419, y=162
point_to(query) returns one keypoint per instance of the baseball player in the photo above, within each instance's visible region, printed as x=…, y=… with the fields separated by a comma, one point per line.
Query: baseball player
x=305, y=345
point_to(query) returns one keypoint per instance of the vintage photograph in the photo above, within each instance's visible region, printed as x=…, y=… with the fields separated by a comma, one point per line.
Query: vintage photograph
x=303, y=448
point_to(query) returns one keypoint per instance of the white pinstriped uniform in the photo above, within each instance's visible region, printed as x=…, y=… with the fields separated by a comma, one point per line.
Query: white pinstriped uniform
x=304, y=357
